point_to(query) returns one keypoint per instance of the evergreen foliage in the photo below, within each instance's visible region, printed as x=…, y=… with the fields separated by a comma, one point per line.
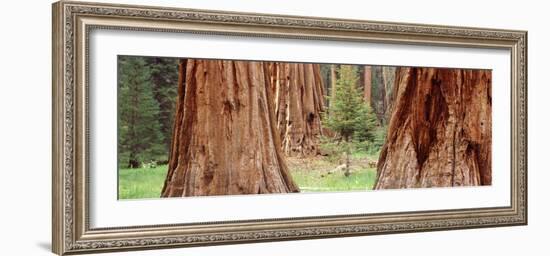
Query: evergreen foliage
x=164, y=76
x=349, y=115
x=140, y=139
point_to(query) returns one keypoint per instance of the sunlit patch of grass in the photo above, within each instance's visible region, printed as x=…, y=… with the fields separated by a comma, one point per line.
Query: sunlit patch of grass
x=318, y=181
x=141, y=183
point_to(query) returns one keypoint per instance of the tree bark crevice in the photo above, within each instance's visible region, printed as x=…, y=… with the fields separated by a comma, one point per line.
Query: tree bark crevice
x=439, y=134
x=299, y=101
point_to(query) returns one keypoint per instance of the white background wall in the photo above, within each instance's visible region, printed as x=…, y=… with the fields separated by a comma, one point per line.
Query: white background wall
x=25, y=116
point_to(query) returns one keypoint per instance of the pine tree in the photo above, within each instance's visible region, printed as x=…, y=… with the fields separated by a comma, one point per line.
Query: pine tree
x=349, y=115
x=139, y=128
x=164, y=77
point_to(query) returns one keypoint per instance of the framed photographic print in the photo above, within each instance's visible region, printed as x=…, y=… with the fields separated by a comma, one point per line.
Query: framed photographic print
x=177, y=127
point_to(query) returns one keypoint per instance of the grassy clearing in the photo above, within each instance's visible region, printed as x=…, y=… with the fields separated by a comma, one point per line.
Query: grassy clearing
x=311, y=174
x=315, y=181
x=141, y=182
x=318, y=174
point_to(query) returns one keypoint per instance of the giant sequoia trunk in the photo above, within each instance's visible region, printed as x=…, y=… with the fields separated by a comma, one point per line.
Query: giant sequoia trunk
x=439, y=134
x=299, y=100
x=225, y=139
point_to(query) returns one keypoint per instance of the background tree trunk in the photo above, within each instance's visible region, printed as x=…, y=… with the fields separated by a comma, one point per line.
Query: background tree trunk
x=225, y=138
x=388, y=74
x=440, y=130
x=333, y=78
x=367, y=80
x=379, y=94
x=299, y=101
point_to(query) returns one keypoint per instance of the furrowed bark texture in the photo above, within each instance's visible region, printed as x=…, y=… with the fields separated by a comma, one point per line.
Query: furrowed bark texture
x=225, y=139
x=299, y=100
x=439, y=134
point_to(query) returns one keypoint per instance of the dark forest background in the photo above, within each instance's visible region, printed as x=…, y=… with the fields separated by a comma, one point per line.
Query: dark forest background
x=146, y=99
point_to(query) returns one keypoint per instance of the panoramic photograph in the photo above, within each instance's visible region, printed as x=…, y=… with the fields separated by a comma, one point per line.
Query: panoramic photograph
x=208, y=127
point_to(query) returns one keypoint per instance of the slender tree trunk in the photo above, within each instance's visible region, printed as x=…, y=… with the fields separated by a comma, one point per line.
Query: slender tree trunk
x=347, y=171
x=299, y=101
x=379, y=95
x=367, y=78
x=388, y=74
x=440, y=130
x=333, y=79
x=225, y=139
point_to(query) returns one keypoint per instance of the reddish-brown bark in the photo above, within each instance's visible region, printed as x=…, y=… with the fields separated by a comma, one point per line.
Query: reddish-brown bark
x=225, y=138
x=439, y=133
x=299, y=101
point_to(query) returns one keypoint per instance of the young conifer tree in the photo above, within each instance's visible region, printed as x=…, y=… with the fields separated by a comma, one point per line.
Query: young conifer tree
x=349, y=115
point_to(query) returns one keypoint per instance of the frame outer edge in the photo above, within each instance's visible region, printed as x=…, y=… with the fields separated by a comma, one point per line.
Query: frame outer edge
x=58, y=242
x=65, y=239
x=525, y=136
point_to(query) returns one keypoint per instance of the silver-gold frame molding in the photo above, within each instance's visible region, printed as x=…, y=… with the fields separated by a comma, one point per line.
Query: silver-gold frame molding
x=72, y=22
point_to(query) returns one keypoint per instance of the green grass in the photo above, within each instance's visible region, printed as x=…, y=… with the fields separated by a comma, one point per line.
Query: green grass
x=357, y=155
x=318, y=174
x=310, y=174
x=141, y=182
x=316, y=181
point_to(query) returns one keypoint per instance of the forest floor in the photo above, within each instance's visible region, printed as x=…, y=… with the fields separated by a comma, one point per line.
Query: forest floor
x=318, y=174
x=313, y=174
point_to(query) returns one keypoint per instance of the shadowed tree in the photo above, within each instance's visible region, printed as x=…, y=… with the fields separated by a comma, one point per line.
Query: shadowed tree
x=333, y=78
x=439, y=134
x=388, y=76
x=164, y=77
x=225, y=139
x=140, y=137
x=378, y=94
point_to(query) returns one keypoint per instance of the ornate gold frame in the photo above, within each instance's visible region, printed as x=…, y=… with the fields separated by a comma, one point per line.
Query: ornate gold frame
x=72, y=21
